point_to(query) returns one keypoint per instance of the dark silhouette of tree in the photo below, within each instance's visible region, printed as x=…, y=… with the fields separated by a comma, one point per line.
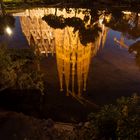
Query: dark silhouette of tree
x=128, y=26
x=113, y=122
x=86, y=34
x=135, y=48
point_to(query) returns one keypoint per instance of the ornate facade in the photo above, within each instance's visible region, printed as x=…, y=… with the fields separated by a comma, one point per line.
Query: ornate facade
x=73, y=59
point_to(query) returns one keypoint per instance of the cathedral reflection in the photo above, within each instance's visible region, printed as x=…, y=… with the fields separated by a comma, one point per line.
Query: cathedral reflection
x=73, y=58
x=38, y=34
x=73, y=61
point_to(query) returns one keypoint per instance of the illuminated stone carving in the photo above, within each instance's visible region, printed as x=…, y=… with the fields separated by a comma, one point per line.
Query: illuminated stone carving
x=73, y=59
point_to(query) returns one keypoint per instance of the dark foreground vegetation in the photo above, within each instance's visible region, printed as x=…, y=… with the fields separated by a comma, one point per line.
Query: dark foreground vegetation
x=17, y=70
x=120, y=121
x=22, y=90
x=112, y=122
x=70, y=3
x=117, y=122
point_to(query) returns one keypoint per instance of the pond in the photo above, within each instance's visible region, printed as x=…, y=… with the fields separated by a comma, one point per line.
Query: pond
x=88, y=53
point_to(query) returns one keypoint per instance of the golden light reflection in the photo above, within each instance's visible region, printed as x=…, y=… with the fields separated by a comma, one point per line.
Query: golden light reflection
x=38, y=34
x=73, y=59
x=8, y=31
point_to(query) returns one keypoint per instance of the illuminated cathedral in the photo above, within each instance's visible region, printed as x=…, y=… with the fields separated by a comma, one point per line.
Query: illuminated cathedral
x=73, y=58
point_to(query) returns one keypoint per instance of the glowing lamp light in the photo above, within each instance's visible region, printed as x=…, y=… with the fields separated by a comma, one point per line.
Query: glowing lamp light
x=101, y=21
x=8, y=30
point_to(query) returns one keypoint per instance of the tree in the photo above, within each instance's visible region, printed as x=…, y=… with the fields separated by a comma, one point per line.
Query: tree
x=135, y=48
x=113, y=122
x=17, y=70
x=87, y=33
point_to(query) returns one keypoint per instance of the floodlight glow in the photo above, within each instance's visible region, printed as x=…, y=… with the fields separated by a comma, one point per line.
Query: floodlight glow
x=101, y=21
x=8, y=30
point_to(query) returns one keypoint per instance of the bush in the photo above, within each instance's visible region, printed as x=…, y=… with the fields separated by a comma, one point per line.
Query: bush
x=17, y=71
x=114, y=122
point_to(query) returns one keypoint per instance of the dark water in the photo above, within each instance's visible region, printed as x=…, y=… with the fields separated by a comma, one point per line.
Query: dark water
x=89, y=53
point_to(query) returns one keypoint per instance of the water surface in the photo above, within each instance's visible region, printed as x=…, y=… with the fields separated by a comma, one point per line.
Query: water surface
x=88, y=53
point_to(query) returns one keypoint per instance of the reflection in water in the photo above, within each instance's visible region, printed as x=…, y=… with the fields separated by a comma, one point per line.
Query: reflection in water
x=38, y=34
x=135, y=48
x=73, y=58
x=121, y=42
x=73, y=61
x=126, y=22
x=129, y=24
x=7, y=23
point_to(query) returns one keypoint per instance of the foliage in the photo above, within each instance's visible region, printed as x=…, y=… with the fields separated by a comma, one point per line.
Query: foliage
x=127, y=24
x=17, y=71
x=128, y=126
x=111, y=122
x=80, y=2
x=87, y=33
x=31, y=81
x=114, y=122
x=8, y=74
x=135, y=48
